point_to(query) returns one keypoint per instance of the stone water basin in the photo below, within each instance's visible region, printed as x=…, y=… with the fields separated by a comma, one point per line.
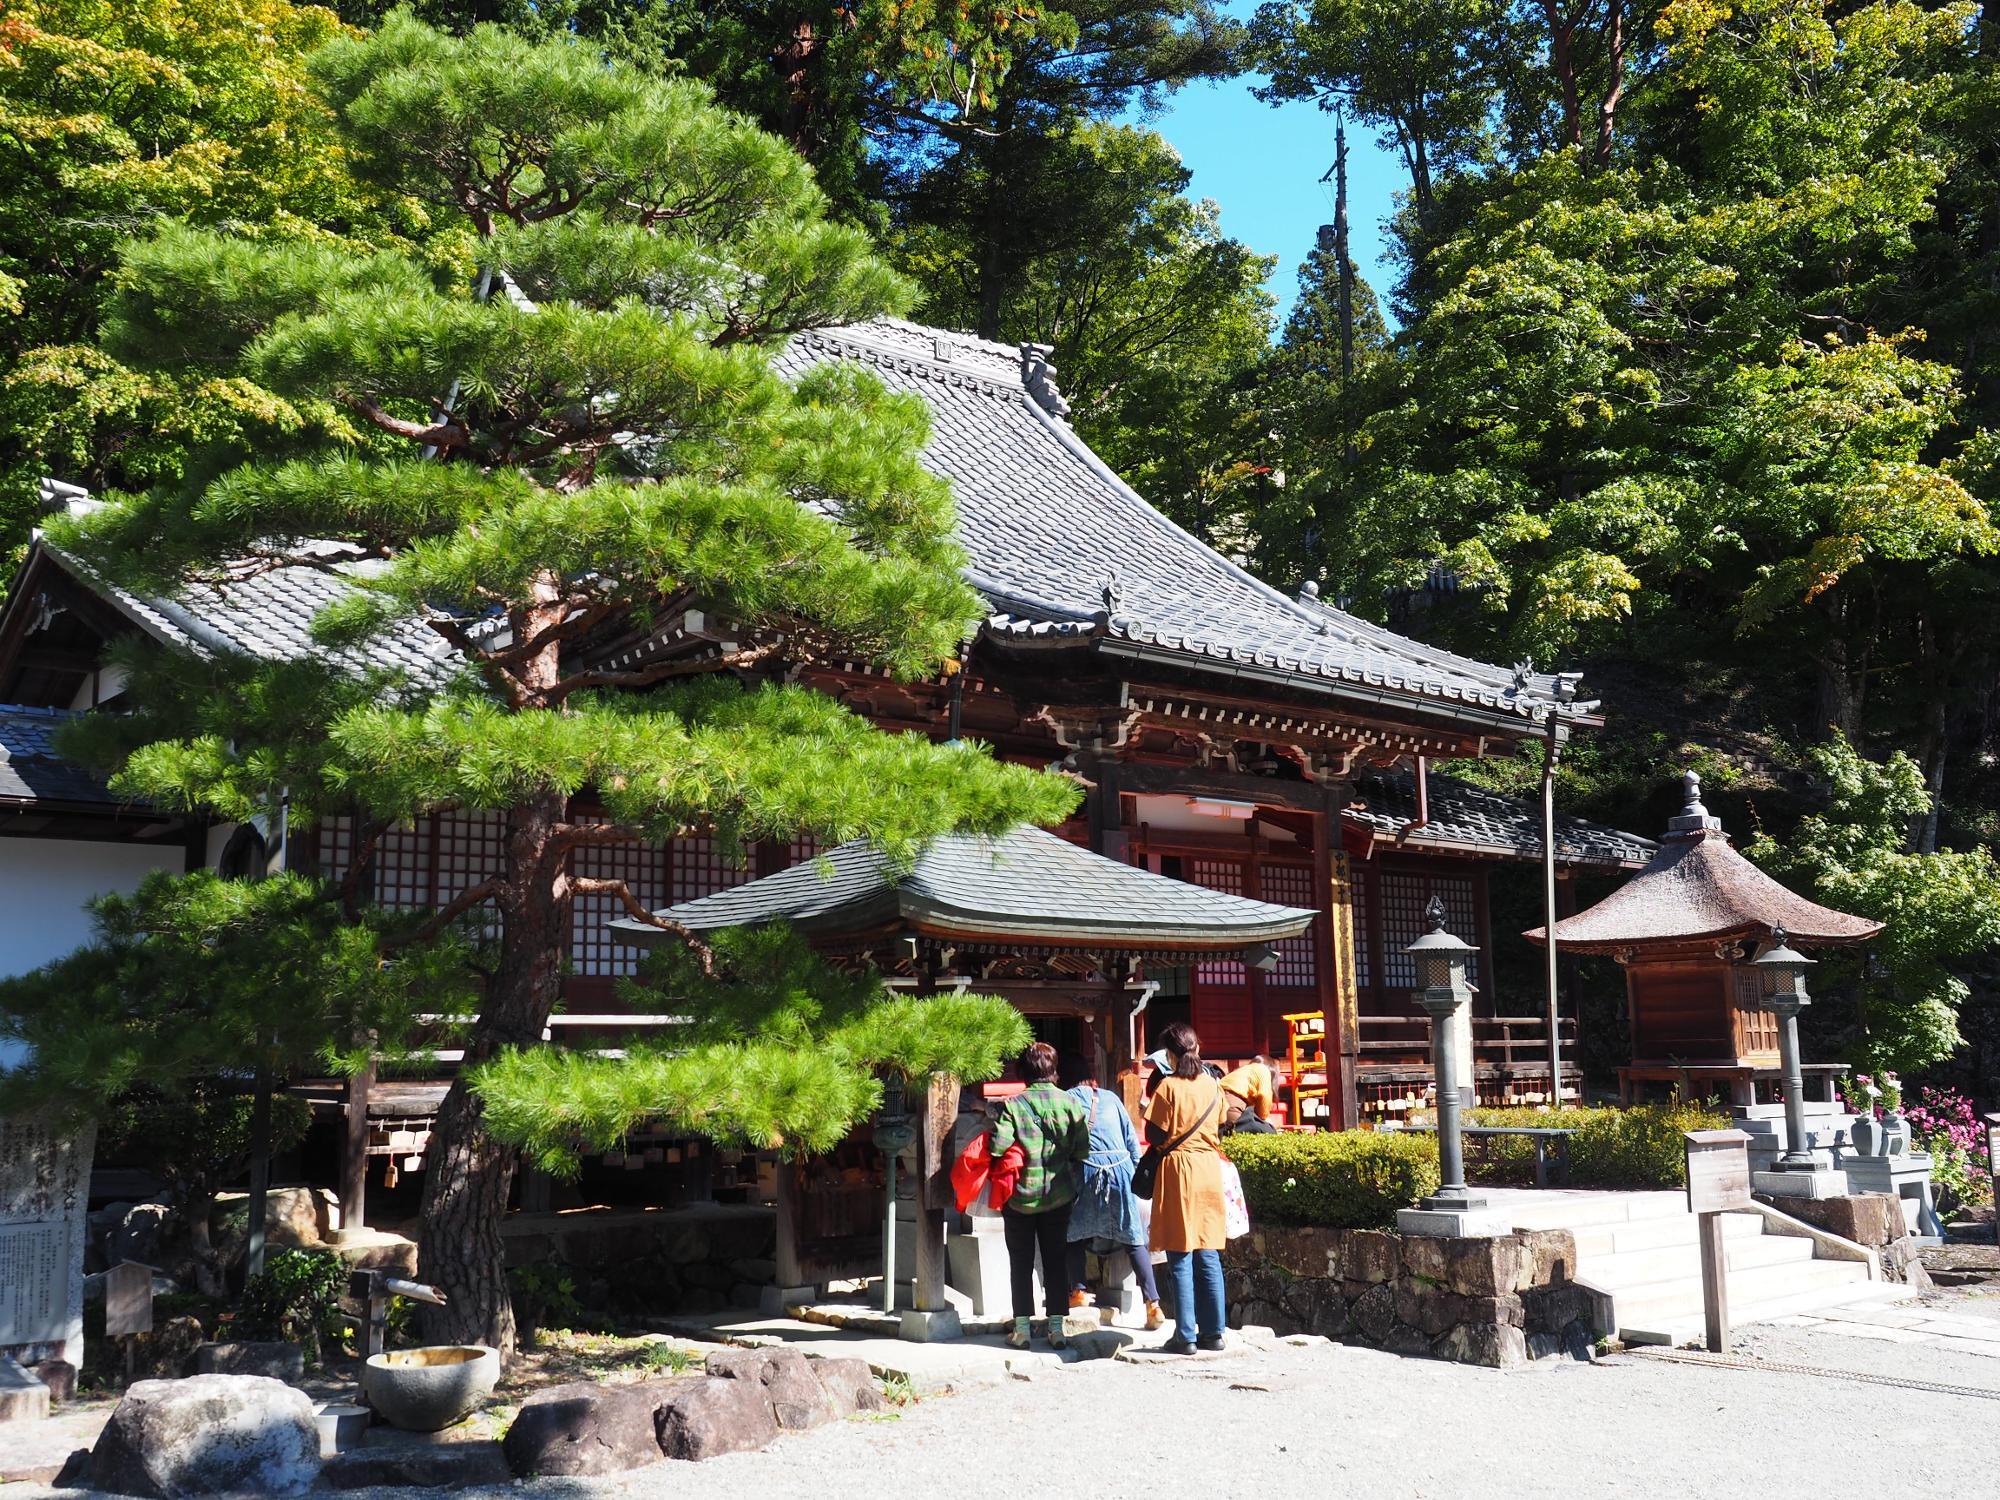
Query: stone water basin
x=426, y=1390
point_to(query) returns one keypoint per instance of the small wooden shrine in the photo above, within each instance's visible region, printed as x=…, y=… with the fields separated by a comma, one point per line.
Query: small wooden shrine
x=1686, y=928
x=1065, y=934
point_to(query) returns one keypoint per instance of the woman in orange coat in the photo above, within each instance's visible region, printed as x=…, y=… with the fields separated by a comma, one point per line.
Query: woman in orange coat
x=1184, y=1124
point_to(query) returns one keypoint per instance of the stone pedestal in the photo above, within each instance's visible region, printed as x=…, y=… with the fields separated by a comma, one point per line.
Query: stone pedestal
x=1479, y=1222
x=1821, y=1182
x=976, y=1264
x=1827, y=1127
x=918, y=1326
x=1900, y=1177
x=23, y=1397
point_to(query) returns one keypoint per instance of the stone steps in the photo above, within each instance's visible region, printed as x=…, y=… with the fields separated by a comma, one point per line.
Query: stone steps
x=1642, y=1251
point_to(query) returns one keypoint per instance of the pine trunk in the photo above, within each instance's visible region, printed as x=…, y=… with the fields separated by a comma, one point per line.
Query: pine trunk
x=470, y=1175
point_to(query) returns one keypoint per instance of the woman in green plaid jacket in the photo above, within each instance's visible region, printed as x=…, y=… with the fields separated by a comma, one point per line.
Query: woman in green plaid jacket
x=1054, y=1136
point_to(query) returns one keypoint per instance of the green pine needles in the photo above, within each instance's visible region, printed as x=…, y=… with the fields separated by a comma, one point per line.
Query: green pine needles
x=583, y=440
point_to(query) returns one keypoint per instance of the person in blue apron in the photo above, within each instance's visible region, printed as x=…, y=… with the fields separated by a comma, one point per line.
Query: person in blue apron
x=1105, y=1216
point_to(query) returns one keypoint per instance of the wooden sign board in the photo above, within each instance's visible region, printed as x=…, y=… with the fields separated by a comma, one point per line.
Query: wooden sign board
x=1718, y=1171
x=128, y=1299
x=1993, y=1144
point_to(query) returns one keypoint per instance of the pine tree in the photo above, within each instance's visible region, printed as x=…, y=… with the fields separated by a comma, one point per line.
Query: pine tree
x=591, y=436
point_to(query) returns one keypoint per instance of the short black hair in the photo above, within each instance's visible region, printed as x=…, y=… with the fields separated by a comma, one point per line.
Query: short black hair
x=1074, y=1069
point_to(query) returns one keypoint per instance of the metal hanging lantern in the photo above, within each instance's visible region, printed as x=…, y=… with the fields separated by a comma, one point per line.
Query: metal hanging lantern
x=1783, y=969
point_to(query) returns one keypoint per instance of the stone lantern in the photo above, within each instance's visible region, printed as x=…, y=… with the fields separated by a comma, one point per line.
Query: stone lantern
x=1783, y=969
x=1443, y=990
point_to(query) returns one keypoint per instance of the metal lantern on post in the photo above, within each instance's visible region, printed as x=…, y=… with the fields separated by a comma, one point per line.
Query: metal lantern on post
x=1784, y=970
x=1442, y=988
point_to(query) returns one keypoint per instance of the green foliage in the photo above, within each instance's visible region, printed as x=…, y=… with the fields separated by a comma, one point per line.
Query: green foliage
x=296, y=1298
x=545, y=1297
x=1939, y=909
x=1633, y=1146
x=783, y=1050
x=113, y=118
x=193, y=978
x=1351, y=1179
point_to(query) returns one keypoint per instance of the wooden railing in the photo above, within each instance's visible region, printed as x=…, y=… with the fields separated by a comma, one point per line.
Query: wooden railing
x=1505, y=1041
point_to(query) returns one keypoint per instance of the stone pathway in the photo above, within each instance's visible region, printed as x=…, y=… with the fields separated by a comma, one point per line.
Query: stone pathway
x=1946, y=1330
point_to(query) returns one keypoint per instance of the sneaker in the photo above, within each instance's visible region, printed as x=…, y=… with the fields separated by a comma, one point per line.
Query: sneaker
x=1210, y=1342
x=1079, y=1298
x=1057, y=1339
x=1017, y=1337
x=1155, y=1319
x=1177, y=1346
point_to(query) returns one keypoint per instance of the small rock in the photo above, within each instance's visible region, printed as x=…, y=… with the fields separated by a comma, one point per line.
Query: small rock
x=701, y=1418
x=584, y=1428
x=59, y=1375
x=207, y=1435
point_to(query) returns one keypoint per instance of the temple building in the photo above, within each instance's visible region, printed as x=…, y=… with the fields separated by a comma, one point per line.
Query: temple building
x=1232, y=737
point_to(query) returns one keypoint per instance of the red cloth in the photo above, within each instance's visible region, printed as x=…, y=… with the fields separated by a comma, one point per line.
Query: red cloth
x=970, y=1171
x=1005, y=1173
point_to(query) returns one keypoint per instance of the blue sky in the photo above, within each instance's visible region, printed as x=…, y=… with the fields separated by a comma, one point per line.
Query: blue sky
x=1262, y=163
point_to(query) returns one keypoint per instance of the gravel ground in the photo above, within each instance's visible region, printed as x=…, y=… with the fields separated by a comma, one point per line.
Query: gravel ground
x=1326, y=1420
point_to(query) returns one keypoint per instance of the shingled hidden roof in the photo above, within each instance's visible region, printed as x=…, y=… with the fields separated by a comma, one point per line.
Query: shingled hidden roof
x=1027, y=885
x=1698, y=887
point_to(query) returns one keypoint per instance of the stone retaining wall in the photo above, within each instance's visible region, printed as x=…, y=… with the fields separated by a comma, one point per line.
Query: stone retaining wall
x=1497, y=1301
x=1872, y=1220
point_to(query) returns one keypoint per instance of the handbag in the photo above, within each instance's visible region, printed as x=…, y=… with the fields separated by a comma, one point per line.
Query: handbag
x=1235, y=1208
x=1147, y=1173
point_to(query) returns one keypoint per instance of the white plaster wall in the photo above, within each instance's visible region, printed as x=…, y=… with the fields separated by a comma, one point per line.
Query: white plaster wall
x=44, y=883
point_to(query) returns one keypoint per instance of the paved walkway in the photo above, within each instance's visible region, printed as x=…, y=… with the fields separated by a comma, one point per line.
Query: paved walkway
x=1936, y=1327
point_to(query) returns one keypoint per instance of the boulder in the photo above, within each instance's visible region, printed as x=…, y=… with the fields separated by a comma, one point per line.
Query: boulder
x=699, y=1419
x=452, y=1466
x=1496, y=1346
x=850, y=1386
x=797, y=1399
x=208, y=1435
x=585, y=1428
x=59, y=1375
x=164, y=1353
x=1374, y=1313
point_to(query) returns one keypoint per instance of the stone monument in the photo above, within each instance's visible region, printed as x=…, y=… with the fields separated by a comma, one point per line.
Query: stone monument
x=44, y=1197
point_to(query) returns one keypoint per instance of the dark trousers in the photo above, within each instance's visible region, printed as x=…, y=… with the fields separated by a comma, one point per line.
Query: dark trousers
x=1142, y=1268
x=1048, y=1232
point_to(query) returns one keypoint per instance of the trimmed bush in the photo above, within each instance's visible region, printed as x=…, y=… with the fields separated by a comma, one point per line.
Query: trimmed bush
x=1349, y=1179
x=1635, y=1147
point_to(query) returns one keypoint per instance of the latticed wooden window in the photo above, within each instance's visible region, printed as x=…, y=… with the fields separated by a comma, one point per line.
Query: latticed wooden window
x=1298, y=958
x=336, y=847
x=1218, y=875
x=702, y=869
x=404, y=879
x=1404, y=898
x=594, y=947
x=471, y=847
x=1364, y=945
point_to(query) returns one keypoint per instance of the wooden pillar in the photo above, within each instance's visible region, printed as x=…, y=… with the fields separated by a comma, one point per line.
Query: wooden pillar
x=791, y=1268
x=1340, y=997
x=354, y=1156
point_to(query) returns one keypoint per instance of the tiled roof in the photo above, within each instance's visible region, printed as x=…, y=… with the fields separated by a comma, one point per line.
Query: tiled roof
x=30, y=769
x=1473, y=819
x=1027, y=883
x=269, y=616
x=1051, y=530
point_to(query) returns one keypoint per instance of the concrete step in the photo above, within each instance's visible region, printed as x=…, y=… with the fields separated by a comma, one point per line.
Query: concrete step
x=1600, y=1240
x=1677, y=1304
x=1692, y=1329
x=1682, y=1263
x=1560, y=1209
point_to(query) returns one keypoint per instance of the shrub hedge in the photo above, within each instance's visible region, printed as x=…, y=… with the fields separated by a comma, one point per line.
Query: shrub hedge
x=1635, y=1147
x=1349, y=1179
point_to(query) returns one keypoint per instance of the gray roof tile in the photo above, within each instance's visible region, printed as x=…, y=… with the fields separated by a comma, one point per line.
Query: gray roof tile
x=1050, y=528
x=30, y=769
x=1471, y=818
x=1026, y=882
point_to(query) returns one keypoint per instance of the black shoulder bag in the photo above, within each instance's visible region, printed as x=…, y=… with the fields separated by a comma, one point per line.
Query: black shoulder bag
x=1147, y=1173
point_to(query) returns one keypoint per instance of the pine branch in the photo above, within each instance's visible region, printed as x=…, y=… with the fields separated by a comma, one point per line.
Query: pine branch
x=450, y=433
x=657, y=673
x=450, y=912
x=585, y=885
